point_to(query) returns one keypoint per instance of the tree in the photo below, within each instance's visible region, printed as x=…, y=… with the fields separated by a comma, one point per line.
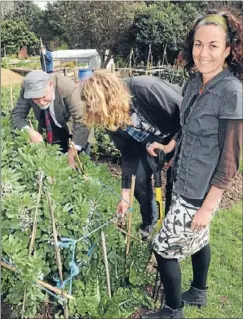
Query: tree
x=29, y=13
x=15, y=35
x=163, y=25
x=89, y=24
x=5, y=8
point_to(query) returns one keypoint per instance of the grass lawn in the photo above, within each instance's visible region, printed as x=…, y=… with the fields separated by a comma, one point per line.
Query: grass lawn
x=225, y=274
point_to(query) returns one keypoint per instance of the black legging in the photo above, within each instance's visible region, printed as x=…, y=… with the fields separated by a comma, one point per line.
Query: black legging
x=170, y=275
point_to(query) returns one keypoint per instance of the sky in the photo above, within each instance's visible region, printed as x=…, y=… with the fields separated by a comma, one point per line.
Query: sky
x=42, y=4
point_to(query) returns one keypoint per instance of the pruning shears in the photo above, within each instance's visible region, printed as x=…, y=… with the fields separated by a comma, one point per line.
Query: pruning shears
x=157, y=163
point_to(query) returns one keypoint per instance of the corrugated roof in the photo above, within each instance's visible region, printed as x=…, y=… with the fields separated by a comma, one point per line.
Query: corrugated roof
x=85, y=53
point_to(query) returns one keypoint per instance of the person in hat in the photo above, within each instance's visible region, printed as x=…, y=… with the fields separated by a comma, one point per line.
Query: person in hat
x=58, y=115
x=46, y=60
x=136, y=111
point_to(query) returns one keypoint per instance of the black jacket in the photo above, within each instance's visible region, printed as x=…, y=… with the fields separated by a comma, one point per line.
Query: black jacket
x=159, y=103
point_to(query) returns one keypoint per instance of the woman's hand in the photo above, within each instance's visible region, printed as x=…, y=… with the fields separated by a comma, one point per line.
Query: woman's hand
x=123, y=204
x=166, y=148
x=203, y=216
x=201, y=219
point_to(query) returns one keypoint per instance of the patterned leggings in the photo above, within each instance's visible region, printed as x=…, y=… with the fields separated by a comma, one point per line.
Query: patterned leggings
x=170, y=275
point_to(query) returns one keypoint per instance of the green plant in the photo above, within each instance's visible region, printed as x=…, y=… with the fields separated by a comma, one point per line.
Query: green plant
x=104, y=147
x=15, y=35
x=69, y=64
x=81, y=204
x=175, y=76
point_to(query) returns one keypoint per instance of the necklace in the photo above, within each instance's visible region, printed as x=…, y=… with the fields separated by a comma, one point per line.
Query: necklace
x=202, y=87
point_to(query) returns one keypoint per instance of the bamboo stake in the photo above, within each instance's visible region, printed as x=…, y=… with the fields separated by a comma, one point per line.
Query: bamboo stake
x=40, y=282
x=11, y=94
x=31, y=125
x=33, y=234
x=130, y=62
x=131, y=199
x=124, y=232
x=106, y=263
x=77, y=157
x=57, y=251
x=24, y=302
x=43, y=56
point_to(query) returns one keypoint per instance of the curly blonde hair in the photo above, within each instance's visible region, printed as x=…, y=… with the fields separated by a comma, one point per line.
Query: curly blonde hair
x=107, y=101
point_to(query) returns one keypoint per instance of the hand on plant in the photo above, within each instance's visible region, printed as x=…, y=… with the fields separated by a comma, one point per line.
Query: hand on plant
x=71, y=158
x=35, y=137
x=122, y=207
x=201, y=219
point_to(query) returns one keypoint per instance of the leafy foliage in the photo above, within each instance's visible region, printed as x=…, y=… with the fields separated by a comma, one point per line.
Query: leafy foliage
x=29, y=13
x=104, y=147
x=158, y=25
x=80, y=204
x=5, y=8
x=15, y=35
x=88, y=24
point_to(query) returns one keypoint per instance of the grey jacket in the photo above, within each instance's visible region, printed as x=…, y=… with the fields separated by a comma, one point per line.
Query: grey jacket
x=199, y=147
x=68, y=110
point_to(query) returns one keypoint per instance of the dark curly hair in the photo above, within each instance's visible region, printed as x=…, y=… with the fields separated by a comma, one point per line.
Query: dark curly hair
x=234, y=39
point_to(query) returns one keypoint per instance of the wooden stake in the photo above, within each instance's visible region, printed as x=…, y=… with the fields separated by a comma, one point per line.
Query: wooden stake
x=31, y=125
x=130, y=62
x=11, y=94
x=24, y=302
x=77, y=157
x=130, y=214
x=106, y=263
x=43, y=56
x=57, y=251
x=40, y=282
x=33, y=235
x=124, y=232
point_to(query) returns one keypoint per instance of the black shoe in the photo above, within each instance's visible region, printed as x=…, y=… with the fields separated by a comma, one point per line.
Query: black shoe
x=145, y=231
x=165, y=313
x=195, y=297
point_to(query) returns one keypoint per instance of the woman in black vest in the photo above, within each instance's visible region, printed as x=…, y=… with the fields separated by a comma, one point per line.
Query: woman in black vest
x=136, y=111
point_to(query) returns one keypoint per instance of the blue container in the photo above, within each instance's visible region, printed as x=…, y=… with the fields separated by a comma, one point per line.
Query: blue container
x=84, y=73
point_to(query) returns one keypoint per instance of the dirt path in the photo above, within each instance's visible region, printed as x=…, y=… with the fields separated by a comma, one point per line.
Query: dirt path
x=9, y=77
x=232, y=196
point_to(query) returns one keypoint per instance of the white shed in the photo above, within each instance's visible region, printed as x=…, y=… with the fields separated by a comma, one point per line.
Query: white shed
x=89, y=56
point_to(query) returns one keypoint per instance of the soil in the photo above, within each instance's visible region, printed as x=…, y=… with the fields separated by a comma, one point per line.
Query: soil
x=9, y=77
x=232, y=196
x=234, y=193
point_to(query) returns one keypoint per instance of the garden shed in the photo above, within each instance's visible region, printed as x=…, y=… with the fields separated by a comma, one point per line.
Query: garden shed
x=89, y=56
